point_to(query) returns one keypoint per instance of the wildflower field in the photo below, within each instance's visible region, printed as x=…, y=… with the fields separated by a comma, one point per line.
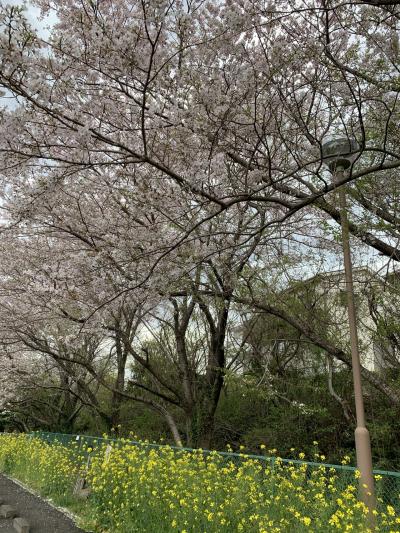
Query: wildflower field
x=137, y=489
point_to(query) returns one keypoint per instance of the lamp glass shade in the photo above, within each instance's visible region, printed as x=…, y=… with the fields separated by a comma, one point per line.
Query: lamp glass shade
x=339, y=151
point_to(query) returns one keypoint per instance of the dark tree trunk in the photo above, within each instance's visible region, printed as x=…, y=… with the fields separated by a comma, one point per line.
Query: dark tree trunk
x=119, y=385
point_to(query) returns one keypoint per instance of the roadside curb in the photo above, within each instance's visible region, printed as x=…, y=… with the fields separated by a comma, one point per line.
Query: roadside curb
x=19, y=524
x=7, y=511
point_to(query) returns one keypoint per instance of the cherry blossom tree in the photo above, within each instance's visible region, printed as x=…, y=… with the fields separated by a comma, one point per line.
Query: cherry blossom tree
x=154, y=152
x=224, y=102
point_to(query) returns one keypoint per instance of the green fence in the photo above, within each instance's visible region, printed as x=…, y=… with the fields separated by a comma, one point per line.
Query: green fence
x=387, y=485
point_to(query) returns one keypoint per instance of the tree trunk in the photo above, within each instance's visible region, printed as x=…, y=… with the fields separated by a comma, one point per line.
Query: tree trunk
x=170, y=421
x=119, y=385
x=199, y=427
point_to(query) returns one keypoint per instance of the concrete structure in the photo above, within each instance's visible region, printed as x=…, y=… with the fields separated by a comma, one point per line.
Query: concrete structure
x=321, y=302
x=370, y=290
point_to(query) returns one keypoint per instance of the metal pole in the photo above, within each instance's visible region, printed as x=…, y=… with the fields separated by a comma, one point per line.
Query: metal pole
x=362, y=439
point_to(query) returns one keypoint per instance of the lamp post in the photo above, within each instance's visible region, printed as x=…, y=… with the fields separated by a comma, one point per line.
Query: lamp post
x=338, y=154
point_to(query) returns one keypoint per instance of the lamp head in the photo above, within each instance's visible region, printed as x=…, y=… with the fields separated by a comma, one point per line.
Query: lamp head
x=339, y=151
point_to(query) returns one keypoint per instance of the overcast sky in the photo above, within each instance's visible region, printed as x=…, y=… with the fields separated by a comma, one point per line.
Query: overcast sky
x=33, y=15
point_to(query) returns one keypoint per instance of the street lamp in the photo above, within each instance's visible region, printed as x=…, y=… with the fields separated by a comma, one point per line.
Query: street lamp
x=338, y=153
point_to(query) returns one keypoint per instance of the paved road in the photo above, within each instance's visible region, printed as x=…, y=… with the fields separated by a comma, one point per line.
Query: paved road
x=42, y=517
x=6, y=526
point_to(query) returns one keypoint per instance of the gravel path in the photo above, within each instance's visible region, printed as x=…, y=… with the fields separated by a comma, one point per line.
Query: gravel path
x=42, y=517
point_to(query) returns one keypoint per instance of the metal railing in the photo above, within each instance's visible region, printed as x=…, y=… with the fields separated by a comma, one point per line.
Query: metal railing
x=387, y=483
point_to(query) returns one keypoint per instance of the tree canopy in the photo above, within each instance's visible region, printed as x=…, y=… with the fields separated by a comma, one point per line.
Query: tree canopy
x=162, y=178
